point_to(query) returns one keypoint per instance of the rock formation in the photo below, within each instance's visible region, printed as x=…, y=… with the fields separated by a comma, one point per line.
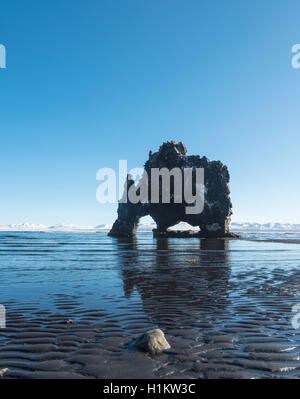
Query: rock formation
x=215, y=217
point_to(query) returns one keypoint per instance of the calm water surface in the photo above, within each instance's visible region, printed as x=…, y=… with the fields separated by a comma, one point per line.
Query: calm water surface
x=74, y=302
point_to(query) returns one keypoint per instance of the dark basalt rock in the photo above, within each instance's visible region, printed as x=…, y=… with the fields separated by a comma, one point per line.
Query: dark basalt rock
x=213, y=221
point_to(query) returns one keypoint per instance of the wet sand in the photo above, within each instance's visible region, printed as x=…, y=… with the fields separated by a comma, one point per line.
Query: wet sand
x=75, y=301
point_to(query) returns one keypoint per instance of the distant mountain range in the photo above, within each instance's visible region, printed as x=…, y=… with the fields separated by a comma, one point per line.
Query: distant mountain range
x=265, y=227
x=146, y=227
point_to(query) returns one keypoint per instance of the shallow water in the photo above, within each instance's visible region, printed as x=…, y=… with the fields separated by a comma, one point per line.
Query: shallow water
x=74, y=302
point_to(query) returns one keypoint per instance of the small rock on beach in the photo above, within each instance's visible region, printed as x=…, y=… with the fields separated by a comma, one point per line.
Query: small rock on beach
x=153, y=341
x=2, y=372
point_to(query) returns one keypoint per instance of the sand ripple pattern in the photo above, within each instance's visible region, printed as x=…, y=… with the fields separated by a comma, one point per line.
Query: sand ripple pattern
x=75, y=301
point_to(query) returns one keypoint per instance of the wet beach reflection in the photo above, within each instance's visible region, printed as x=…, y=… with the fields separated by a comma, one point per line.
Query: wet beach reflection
x=176, y=286
x=225, y=306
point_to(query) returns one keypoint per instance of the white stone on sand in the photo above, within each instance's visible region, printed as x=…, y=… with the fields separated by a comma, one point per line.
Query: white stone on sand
x=153, y=341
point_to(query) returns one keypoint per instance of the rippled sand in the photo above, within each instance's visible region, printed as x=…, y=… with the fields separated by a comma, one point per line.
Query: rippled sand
x=75, y=301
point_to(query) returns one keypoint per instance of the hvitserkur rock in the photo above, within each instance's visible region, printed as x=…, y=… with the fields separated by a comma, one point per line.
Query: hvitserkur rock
x=215, y=217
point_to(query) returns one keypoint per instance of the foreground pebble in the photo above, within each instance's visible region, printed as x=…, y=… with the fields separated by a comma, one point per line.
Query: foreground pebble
x=153, y=341
x=2, y=372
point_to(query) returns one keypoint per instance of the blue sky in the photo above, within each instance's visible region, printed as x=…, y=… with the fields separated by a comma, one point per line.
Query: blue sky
x=91, y=82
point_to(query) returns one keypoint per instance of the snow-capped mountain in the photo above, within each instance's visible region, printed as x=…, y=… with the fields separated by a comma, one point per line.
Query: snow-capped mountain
x=103, y=227
x=146, y=227
x=264, y=227
x=42, y=227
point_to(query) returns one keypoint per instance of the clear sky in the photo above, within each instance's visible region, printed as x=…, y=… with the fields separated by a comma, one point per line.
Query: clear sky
x=90, y=82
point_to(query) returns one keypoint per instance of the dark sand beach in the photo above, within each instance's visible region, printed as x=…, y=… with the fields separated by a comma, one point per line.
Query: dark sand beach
x=75, y=301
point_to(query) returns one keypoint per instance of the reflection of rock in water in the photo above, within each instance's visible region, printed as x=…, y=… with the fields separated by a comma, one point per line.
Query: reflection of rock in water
x=127, y=250
x=170, y=287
